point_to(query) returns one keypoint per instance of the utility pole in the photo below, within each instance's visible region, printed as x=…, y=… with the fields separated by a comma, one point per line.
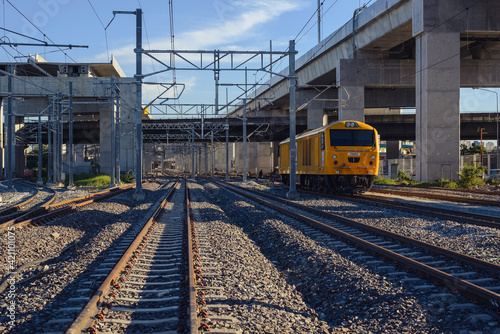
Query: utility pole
x=113, y=139
x=245, y=130
x=481, y=147
x=139, y=194
x=244, y=140
x=60, y=140
x=227, y=140
x=70, y=143
x=10, y=134
x=117, y=141
x=40, y=181
x=213, y=152
x=192, y=148
x=49, y=144
x=292, y=191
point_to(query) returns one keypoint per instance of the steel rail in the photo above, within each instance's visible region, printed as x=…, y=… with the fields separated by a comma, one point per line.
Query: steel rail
x=43, y=214
x=107, y=191
x=461, y=216
x=19, y=216
x=10, y=210
x=438, y=197
x=488, y=266
x=87, y=318
x=194, y=320
x=468, y=289
x=449, y=190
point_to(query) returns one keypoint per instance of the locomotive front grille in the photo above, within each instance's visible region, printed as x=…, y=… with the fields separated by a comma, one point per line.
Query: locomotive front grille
x=353, y=160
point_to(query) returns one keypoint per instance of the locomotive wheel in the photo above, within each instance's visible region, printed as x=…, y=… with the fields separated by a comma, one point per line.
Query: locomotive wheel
x=286, y=179
x=337, y=184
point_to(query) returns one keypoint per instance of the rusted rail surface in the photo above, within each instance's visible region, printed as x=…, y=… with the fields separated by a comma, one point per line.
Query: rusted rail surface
x=455, y=215
x=48, y=212
x=12, y=209
x=470, y=290
x=90, y=313
x=447, y=198
x=194, y=320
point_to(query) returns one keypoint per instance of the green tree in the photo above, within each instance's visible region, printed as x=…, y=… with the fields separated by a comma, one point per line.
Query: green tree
x=474, y=149
x=471, y=176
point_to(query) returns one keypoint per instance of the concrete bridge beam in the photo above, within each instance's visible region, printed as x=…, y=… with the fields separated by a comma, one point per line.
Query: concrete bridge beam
x=316, y=108
x=353, y=75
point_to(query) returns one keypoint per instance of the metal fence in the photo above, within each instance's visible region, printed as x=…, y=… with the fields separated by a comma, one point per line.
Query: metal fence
x=389, y=167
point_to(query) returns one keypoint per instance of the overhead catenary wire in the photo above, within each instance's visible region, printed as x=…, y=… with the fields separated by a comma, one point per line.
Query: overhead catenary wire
x=172, y=44
x=34, y=25
x=297, y=38
x=104, y=27
x=147, y=40
x=326, y=41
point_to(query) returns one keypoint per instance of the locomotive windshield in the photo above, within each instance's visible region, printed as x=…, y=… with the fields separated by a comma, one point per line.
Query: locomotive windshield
x=352, y=137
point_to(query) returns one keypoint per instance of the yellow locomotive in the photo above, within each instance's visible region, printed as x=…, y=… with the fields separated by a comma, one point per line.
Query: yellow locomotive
x=342, y=157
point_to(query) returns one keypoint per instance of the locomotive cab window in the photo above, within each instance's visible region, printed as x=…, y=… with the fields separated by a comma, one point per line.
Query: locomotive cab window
x=352, y=137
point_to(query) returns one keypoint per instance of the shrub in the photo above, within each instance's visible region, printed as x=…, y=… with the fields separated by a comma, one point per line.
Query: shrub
x=447, y=184
x=471, y=176
x=127, y=177
x=402, y=176
x=493, y=182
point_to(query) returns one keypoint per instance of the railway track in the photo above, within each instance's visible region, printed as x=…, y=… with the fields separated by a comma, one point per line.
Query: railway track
x=425, y=210
x=441, y=197
x=13, y=208
x=151, y=287
x=467, y=217
x=49, y=210
x=456, y=215
x=473, y=278
x=18, y=213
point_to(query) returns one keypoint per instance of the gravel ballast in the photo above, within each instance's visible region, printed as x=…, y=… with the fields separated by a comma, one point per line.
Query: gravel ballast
x=288, y=279
x=69, y=247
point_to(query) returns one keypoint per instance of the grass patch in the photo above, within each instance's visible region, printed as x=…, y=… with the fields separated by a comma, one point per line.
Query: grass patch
x=384, y=181
x=90, y=180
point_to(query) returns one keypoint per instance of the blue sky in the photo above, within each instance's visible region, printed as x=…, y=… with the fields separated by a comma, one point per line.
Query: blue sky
x=206, y=25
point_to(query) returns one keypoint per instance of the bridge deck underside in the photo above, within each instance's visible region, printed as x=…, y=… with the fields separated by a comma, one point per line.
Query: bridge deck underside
x=390, y=127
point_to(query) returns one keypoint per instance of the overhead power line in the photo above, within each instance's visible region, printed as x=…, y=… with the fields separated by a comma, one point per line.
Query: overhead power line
x=44, y=35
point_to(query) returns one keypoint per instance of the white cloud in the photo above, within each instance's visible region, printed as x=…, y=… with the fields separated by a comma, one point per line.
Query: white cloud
x=253, y=15
x=244, y=20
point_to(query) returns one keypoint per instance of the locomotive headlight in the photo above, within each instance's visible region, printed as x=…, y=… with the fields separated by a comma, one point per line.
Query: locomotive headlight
x=334, y=156
x=372, y=157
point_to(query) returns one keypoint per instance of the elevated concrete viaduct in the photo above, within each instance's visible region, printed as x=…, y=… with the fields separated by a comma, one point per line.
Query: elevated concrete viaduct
x=403, y=53
x=392, y=54
x=37, y=83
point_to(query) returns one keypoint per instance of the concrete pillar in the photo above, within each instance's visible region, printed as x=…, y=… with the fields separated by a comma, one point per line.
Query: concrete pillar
x=316, y=105
x=351, y=92
x=105, y=138
x=437, y=100
x=315, y=114
x=2, y=159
